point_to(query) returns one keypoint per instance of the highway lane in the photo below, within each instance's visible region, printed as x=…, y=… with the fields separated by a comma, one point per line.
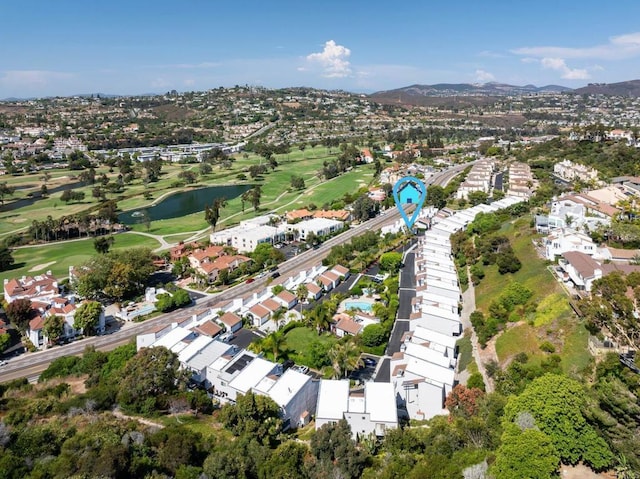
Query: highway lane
x=31, y=364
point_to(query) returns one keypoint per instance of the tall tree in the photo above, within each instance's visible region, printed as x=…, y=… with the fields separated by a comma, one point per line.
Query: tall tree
x=87, y=317
x=102, y=244
x=345, y=357
x=148, y=379
x=53, y=327
x=5, y=190
x=6, y=258
x=19, y=313
x=212, y=213
x=256, y=195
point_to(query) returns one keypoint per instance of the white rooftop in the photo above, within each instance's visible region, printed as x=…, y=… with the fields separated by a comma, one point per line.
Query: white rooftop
x=288, y=386
x=333, y=399
x=194, y=348
x=429, y=371
x=430, y=335
x=252, y=374
x=208, y=355
x=427, y=354
x=173, y=337
x=381, y=401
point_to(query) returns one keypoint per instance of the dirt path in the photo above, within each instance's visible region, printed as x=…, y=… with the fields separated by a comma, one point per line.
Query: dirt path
x=481, y=356
x=141, y=420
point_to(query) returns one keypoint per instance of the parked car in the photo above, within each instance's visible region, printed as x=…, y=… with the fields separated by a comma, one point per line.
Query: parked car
x=226, y=337
x=370, y=362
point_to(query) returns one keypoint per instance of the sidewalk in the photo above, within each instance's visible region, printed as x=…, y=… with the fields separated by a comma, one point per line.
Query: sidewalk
x=468, y=307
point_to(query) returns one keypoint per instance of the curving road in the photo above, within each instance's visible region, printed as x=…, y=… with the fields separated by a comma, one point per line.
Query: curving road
x=32, y=364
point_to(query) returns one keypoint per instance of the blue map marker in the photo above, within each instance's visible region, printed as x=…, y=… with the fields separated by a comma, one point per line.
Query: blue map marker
x=409, y=190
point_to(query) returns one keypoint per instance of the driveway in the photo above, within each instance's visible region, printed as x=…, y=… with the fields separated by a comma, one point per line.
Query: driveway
x=408, y=272
x=399, y=328
x=384, y=372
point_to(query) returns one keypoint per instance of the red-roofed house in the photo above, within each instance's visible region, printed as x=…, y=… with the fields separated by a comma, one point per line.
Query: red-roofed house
x=37, y=288
x=231, y=321
x=34, y=332
x=286, y=299
x=259, y=314
x=199, y=256
x=347, y=327
x=341, y=271
x=314, y=291
x=208, y=328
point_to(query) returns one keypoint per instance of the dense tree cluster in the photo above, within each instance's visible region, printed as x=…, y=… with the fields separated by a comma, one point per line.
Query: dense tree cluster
x=611, y=307
x=117, y=275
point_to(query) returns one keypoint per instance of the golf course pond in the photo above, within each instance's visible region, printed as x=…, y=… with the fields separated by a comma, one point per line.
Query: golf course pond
x=183, y=203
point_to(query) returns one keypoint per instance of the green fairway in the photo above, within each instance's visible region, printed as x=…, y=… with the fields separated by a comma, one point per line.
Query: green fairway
x=58, y=257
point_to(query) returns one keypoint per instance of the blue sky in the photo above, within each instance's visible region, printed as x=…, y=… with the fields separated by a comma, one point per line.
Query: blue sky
x=141, y=46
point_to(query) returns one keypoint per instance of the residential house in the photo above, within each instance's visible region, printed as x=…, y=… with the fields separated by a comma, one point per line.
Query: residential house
x=315, y=226
x=259, y=314
x=286, y=299
x=232, y=322
x=371, y=411
x=314, y=292
x=563, y=240
x=295, y=393
x=41, y=287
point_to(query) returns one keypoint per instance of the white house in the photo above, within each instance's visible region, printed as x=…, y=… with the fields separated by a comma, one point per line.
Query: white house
x=41, y=287
x=295, y=393
x=316, y=226
x=372, y=411
x=249, y=234
x=564, y=240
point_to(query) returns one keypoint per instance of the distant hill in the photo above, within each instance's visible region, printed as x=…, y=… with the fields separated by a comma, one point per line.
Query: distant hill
x=426, y=94
x=629, y=88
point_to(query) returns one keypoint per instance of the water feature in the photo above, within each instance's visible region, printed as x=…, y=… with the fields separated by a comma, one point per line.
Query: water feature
x=183, y=203
x=361, y=305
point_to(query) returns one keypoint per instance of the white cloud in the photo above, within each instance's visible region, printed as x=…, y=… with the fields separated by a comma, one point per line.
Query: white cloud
x=161, y=83
x=618, y=47
x=334, y=59
x=484, y=76
x=567, y=73
x=490, y=54
x=32, y=78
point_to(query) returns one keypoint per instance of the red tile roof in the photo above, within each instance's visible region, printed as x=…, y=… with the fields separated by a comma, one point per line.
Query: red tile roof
x=36, y=323
x=208, y=328
x=349, y=326
x=230, y=319
x=286, y=296
x=259, y=311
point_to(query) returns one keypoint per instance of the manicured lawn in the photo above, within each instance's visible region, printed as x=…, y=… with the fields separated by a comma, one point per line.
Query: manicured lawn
x=58, y=257
x=299, y=340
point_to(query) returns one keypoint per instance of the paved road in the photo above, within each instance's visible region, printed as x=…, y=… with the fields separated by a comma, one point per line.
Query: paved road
x=32, y=364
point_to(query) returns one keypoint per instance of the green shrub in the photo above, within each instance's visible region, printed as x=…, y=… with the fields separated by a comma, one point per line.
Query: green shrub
x=547, y=347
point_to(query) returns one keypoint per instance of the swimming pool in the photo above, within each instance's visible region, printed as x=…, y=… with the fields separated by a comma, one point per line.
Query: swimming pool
x=361, y=305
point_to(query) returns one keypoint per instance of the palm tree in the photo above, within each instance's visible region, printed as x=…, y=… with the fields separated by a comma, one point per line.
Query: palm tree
x=275, y=343
x=302, y=292
x=277, y=316
x=345, y=357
